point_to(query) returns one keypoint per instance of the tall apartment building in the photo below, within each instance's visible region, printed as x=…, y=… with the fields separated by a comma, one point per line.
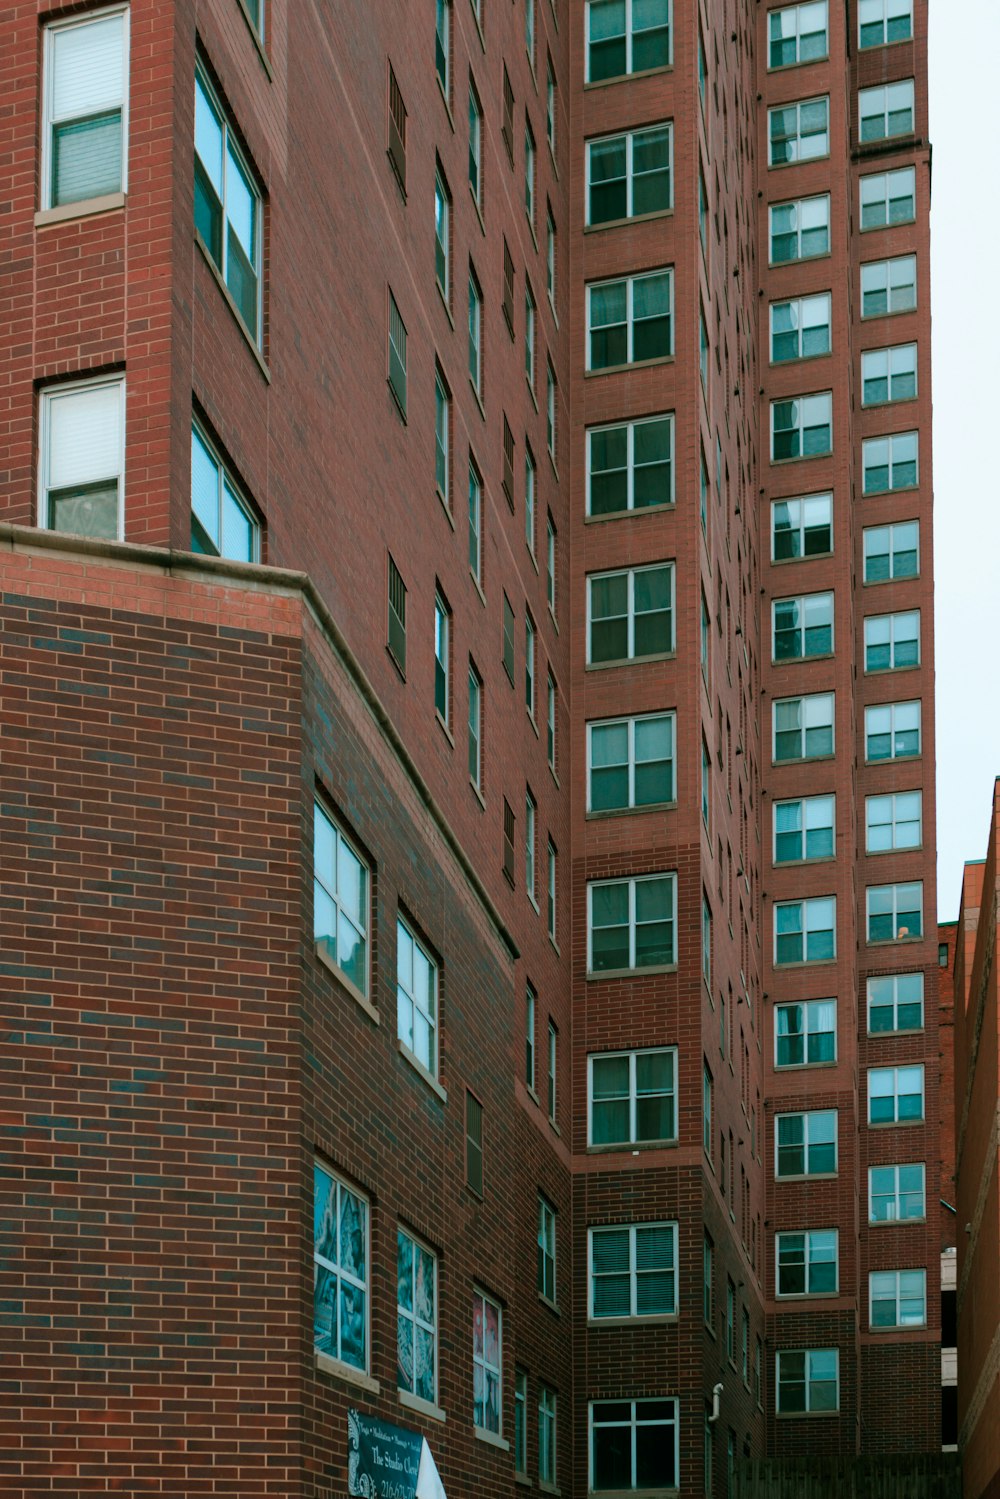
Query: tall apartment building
x=467, y=765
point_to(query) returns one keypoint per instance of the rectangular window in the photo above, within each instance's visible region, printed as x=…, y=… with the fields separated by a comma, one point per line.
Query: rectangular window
x=487, y=1363
x=889, y=286
x=550, y=564
x=629, y=175
x=889, y=375
x=893, y=821
x=474, y=1143
x=550, y=409
x=889, y=463
x=508, y=842
x=340, y=1256
x=507, y=128
x=529, y=845
x=630, y=320
x=546, y=1278
x=805, y=931
x=508, y=639
x=630, y=466
x=529, y=29
x=416, y=998
x=227, y=206
x=630, y=614
x=529, y=665
x=634, y=1443
x=85, y=108
x=803, y=727
x=801, y=528
x=797, y=34
x=442, y=436
x=529, y=174
x=529, y=499
x=551, y=908
x=475, y=146
x=416, y=1318
x=633, y=1271
x=442, y=45
x=442, y=218
x=706, y=784
x=475, y=334
x=508, y=463
x=799, y=230
x=475, y=727
x=222, y=522
x=892, y=552
x=442, y=661
x=546, y=1436
x=397, y=617
x=799, y=131
x=529, y=336
x=520, y=1423
x=707, y=1281
x=530, y=1008
x=702, y=213
x=800, y=329
x=897, y=1298
x=730, y=1320
x=81, y=467
x=340, y=900
x=397, y=355
x=896, y=1194
x=805, y=1033
x=632, y=1098
x=550, y=725
x=892, y=641
x=550, y=107
x=397, y=131
x=895, y=912
x=703, y=350
x=550, y=258
x=883, y=21
x=475, y=523
x=806, y=1144
x=895, y=1003
x=631, y=923
x=630, y=762
x=706, y=1111
x=551, y=1076
x=808, y=1381
x=802, y=627
x=889, y=198
x=886, y=111
x=804, y=829
x=745, y=1346
x=802, y=427
x=895, y=1094
x=627, y=36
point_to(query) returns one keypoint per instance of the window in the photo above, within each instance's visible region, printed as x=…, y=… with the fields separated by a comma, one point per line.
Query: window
x=632, y=1097
x=893, y=821
x=805, y=1033
x=397, y=356
x=630, y=762
x=475, y=146
x=550, y=568
x=804, y=829
x=892, y=551
x=546, y=1279
x=634, y=1443
x=707, y=1281
x=227, y=206
x=889, y=286
x=529, y=336
x=416, y=1318
x=895, y=912
x=81, y=468
x=896, y=1193
x=808, y=1381
x=529, y=29
x=630, y=466
x=442, y=45
x=529, y=845
x=546, y=1436
x=797, y=34
x=475, y=727
x=442, y=435
x=802, y=428
x=340, y=1255
x=629, y=321
x=889, y=198
x=702, y=213
x=889, y=375
x=508, y=842
x=758, y=1371
x=802, y=528
x=805, y=931
x=255, y=14
x=730, y=1320
x=889, y=463
x=884, y=21
x=632, y=923
x=520, y=1423
x=703, y=349
x=627, y=36
x=529, y=499
x=897, y=1298
x=530, y=1006
x=529, y=664
x=222, y=523
x=892, y=641
x=487, y=1368
x=630, y=614
x=474, y=1143
x=803, y=727
x=397, y=131
x=706, y=1112
x=550, y=107
x=895, y=1094
x=706, y=783
x=340, y=900
x=551, y=1078
x=806, y=1144
x=802, y=627
x=550, y=409
x=475, y=523
x=442, y=664
x=529, y=174
x=85, y=108
x=507, y=128
x=895, y=1003
x=629, y=175
x=397, y=617
x=798, y=132
x=550, y=258
x=551, y=910
x=745, y=1346
x=706, y=941
x=799, y=230
x=442, y=218
x=886, y=111
x=550, y=725
x=633, y=1271
x=508, y=463
x=475, y=334
x=416, y=998
x=800, y=329
x=508, y=639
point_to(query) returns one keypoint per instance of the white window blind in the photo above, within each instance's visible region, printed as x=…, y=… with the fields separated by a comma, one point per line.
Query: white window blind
x=86, y=107
x=82, y=459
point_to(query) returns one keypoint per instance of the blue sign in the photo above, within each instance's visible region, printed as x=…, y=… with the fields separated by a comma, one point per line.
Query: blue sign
x=383, y=1461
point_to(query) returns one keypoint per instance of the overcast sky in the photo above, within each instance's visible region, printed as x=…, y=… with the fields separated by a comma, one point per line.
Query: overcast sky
x=965, y=238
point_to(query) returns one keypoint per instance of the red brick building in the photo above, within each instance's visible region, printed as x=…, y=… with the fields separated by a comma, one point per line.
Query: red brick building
x=467, y=870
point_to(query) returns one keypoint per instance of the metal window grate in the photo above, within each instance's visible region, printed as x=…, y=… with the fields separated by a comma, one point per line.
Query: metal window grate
x=397, y=616
x=508, y=841
x=397, y=130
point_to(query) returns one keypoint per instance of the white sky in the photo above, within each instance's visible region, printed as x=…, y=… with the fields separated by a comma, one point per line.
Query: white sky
x=965, y=236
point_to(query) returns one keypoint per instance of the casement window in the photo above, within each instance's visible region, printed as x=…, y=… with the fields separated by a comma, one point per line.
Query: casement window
x=546, y=1277
x=551, y=392
x=706, y=941
x=892, y=552
x=529, y=336
x=806, y=1263
x=550, y=724
x=801, y=528
x=529, y=174
x=630, y=466
x=631, y=923
x=800, y=329
x=799, y=131
x=730, y=1321
x=802, y=428
x=808, y=1381
x=707, y=1280
x=397, y=356
x=341, y=1270
x=629, y=175
x=804, y=829
x=340, y=900
x=703, y=349
x=546, y=1436
x=475, y=523
x=475, y=146
x=627, y=36
x=895, y=912
x=630, y=615
x=805, y=1144
x=416, y=1318
x=529, y=499
x=805, y=931
x=551, y=891
x=530, y=1010
x=442, y=437
x=222, y=522
x=474, y=1143
x=416, y=998
x=797, y=34
x=895, y=1003
x=487, y=1363
x=442, y=234
x=892, y=731
x=550, y=569
x=397, y=617
x=799, y=230
x=805, y=1033
x=883, y=21
x=475, y=334
x=896, y=1194
x=886, y=111
x=521, y=1423
x=442, y=659
x=550, y=258
x=889, y=198
x=508, y=842
x=706, y=1112
x=507, y=654
x=897, y=1298
x=81, y=462
x=630, y=320
x=893, y=821
x=895, y=1094
x=551, y=1072
x=529, y=844
x=396, y=148
x=634, y=1444
x=889, y=375
x=475, y=727
x=632, y=1097
x=85, y=107
x=889, y=463
x=802, y=627
x=892, y=641
x=633, y=1271
x=889, y=286
x=803, y=727
x=227, y=206
x=630, y=762
x=442, y=45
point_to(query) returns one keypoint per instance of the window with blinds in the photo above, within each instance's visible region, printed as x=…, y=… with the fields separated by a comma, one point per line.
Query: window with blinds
x=85, y=98
x=82, y=459
x=397, y=131
x=227, y=206
x=633, y=1271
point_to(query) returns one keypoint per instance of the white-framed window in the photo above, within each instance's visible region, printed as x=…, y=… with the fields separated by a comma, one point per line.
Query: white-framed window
x=85, y=73
x=886, y=111
x=227, y=205
x=627, y=36
x=883, y=21
x=706, y=940
x=475, y=333
x=805, y=1264
x=487, y=1362
x=806, y=1144
x=892, y=731
x=889, y=375
x=805, y=931
x=892, y=641
x=340, y=900
x=529, y=498
x=546, y=1277
x=255, y=14
x=550, y=409
x=529, y=845
x=341, y=1274
x=475, y=727
x=550, y=258
x=630, y=466
x=891, y=552
x=223, y=523
x=550, y=723
x=475, y=146
x=521, y=1423
x=802, y=427
x=631, y=923
x=897, y=1298
x=551, y=910
x=630, y=762
x=442, y=239
x=799, y=229
x=895, y=1003
x=897, y=1194
x=630, y=615
x=893, y=821
x=889, y=286
x=889, y=198
x=895, y=912
x=442, y=436
x=396, y=372
x=799, y=131
x=800, y=329
x=416, y=998
x=797, y=34
x=529, y=173
x=889, y=463
x=442, y=45
x=475, y=523
x=631, y=1097
x=529, y=29
x=807, y=1380
x=81, y=463
x=802, y=627
x=550, y=1079
x=442, y=659
x=896, y=1094
x=632, y=1271
x=529, y=335
x=801, y=528
x=529, y=664
x=416, y=1318
x=630, y=174
x=805, y=1033
x=630, y=320
x=703, y=350
x=805, y=829
x=634, y=1444
x=546, y=1436
x=530, y=1013
x=803, y=727
x=550, y=569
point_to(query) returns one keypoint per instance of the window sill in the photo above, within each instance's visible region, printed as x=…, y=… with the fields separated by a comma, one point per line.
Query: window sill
x=802, y=963
x=534, y=725
x=896, y=1123
x=809, y=1176
x=630, y=973
x=894, y=941
x=632, y=364
x=892, y=401
x=807, y=1415
x=257, y=39
x=477, y=794
x=884, y=228
x=533, y=903
x=633, y=1147
x=777, y=265
x=444, y=302
x=552, y=307
x=238, y=316
x=657, y=1319
x=345, y=983
x=347, y=1373
x=872, y=317
x=444, y=728
x=423, y=1407
x=802, y=161
x=912, y=1030
x=531, y=391
x=781, y=364
x=84, y=209
x=801, y=863
x=783, y=67
x=550, y=1304
x=476, y=206
x=490, y=1438
x=479, y=399
x=800, y=457
x=444, y=99
x=630, y=661
x=885, y=671
x=627, y=78
x=803, y=1066
x=880, y=853
x=654, y=1493
x=478, y=587
x=549, y=1488
x=605, y=812
x=552, y=616
x=790, y=561
x=801, y=760
x=594, y=520
x=892, y=759
x=522, y=1480
x=636, y=218
x=398, y=665
x=797, y=1296
x=895, y=1222
x=421, y=1070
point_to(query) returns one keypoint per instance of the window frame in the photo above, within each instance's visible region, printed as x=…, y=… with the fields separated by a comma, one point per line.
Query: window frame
x=475, y=531
x=805, y=903
x=629, y=282
x=897, y=1299
x=431, y=1064
x=798, y=61
x=442, y=46
x=896, y=1095
x=46, y=395
x=632, y=1229
x=888, y=263
x=632, y=881
x=801, y=528
x=890, y=529
x=51, y=27
x=803, y=603
x=475, y=729
x=800, y=427
x=339, y=1272
x=632, y=1055
x=895, y=913
x=891, y=438
x=886, y=90
x=805, y=802
x=800, y=305
x=895, y=1214
x=520, y=1442
x=808, y=1261
x=798, y=159
x=411, y=1316
x=475, y=145
x=634, y=1423
x=547, y=1238
x=808, y=1031
x=807, y=1145
x=226, y=478
x=894, y=620
x=798, y=204
x=230, y=141
x=630, y=615
x=895, y=1004
x=442, y=656
x=480, y=1360
x=891, y=375
x=547, y=1438
x=629, y=38
x=887, y=179
x=442, y=246
x=808, y=1381
x=630, y=428
x=885, y=40
x=366, y=934
x=802, y=699
x=475, y=340
x=669, y=717
x=894, y=822
x=873, y=708
x=629, y=137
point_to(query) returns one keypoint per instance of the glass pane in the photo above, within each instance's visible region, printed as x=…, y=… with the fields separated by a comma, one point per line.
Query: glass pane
x=87, y=158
